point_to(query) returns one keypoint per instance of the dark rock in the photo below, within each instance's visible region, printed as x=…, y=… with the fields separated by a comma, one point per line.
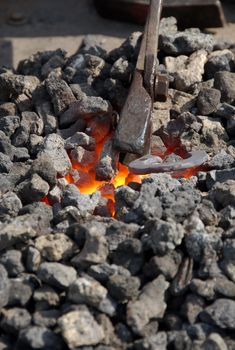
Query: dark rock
x=219, y=176
x=87, y=108
x=4, y=287
x=24, y=103
x=227, y=218
x=7, y=108
x=129, y=254
x=95, y=250
x=36, y=337
x=226, y=111
x=5, y=163
x=60, y=93
x=32, y=122
x=33, y=259
x=45, y=111
x=85, y=203
x=20, y=293
x=47, y=297
x=221, y=161
x=44, y=168
x=123, y=288
x=214, y=341
x=9, y=124
x=156, y=341
x=225, y=82
x=18, y=84
x=79, y=328
x=125, y=198
x=221, y=313
x=20, y=154
x=164, y=236
x=46, y=318
x=183, y=277
x=14, y=320
x=185, y=42
x=54, y=149
x=192, y=307
x=80, y=139
x=78, y=126
x=57, y=275
x=208, y=101
x=219, y=61
x=122, y=70
x=129, y=48
x=166, y=265
x=19, y=229
x=12, y=261
x=10, y=204
x=103, y=272
x=150, y=304
x=106, y=166
x=207, y=213
x=32, y=189
x=223, y=194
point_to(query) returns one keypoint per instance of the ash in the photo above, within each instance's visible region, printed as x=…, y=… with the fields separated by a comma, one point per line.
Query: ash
x=161, y=273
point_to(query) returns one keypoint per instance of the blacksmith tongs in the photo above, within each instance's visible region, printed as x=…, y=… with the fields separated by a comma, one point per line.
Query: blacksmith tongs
x=133, y=133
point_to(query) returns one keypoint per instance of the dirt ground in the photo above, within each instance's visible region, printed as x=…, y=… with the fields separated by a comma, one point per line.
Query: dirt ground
x=28, y=26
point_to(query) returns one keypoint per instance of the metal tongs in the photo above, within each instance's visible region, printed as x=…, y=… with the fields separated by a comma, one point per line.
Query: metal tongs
x=133, y=133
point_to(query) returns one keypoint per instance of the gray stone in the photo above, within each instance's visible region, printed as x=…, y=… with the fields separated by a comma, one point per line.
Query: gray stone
x=166, y=265
x=221, y=313
x=54, y=149
x=221, y=60
x=32, y=189
x=37, y=337
x=17, y=230
x=95, y=250
x=192, y=307
x=7, y=108
x=4, y=287
x=21, y=291
x=45, y=169
x=5, y=163
x=45, y=111
x=106, y=166
x=33, y=259
x=223, y=194
x=222, y=160
x=12, y=261
x=10, y=204
x=150, y=304
x=47, y=296
x=164, y=236
x=57, y=275
x=188, y=71
x=79, y=328
x=89, y=107
x=103, y=272
x=9, y=124
x=60, y=93
x=225, y=82
x=122, y=70
x=208, y=101
x=14, y=320
x=186, y=42
x=18, y=84
x=46, y=318
x=55, y=247
x=86, y=290
x=80, y=139
x=85, y=203
x=123, y=288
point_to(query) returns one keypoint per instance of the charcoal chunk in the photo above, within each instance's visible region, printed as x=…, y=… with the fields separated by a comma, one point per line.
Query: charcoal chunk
x=185, y=42
x=80, y=139
x=122, y=70
x=21, y=291
x=44, y=168
x=36, y=337
x=14, y=320
x=7, y=108
x=5, y=163
x=46, y=318
x=57, y=275
x=9, y=124
x=32, y=189
x=208, y=101
x=10, y=204
x=219, y=61
x=12, y=261
x=18, y=84
x=223, y=194
x=106, y=166
x=123, y=288
x=60, y=93
x=221, y=313
x=225, y=82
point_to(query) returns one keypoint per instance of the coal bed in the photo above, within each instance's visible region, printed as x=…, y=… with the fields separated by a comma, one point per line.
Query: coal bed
x=93, y=257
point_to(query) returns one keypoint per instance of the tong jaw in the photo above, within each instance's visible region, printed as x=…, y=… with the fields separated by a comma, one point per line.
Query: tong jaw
x=133, y=133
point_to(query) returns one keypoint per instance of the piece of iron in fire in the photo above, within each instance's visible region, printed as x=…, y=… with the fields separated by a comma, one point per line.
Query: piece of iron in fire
x=153, y=164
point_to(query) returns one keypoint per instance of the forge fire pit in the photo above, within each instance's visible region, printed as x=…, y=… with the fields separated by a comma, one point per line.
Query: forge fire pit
x=93, y=256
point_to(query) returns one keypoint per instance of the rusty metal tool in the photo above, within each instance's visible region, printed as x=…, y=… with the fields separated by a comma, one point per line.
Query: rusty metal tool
x=189, y=13
x=148, y=85
x=133, y=133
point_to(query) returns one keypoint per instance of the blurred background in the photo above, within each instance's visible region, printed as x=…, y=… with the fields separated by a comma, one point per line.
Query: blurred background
x=28, y=26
